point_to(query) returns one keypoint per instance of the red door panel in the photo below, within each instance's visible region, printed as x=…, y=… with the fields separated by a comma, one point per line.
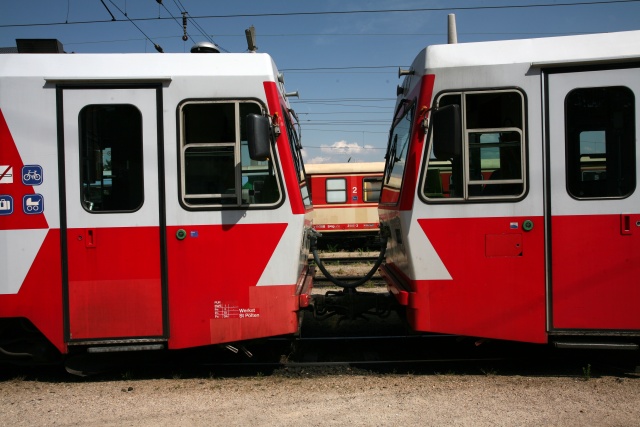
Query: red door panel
x=114, y=287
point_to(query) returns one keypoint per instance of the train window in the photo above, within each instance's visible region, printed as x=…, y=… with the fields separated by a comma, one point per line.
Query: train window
x=297, y=157
x=492, y=160
x=371, y=187
x=216, y=170
x=336, y=190
x=111, y=158
x=396, y=156
x=600, y=142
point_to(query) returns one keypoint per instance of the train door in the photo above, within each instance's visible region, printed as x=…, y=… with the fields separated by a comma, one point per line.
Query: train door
x=594, y=204
x=484, y=220
x=112, y=212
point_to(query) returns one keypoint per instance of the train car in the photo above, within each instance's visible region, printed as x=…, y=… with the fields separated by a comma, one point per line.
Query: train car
x=510, y=192
x=147, y=201
x=345, y=202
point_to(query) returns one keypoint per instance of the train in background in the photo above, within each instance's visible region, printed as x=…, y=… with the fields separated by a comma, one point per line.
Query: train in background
x=510, y=192
x=345, y=203
x=132, y=189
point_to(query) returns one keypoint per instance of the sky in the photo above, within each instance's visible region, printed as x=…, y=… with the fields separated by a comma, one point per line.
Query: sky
x=341, y=56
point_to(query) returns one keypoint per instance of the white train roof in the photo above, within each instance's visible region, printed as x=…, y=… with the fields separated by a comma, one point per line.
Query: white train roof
x=137, y=66
x=566, y=50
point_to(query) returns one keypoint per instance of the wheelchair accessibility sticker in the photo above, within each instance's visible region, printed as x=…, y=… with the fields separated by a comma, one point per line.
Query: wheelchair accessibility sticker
x=6, y=204
x=33, y=204
x=32, y=175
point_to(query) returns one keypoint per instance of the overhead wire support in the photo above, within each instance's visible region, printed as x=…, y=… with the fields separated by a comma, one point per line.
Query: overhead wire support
x=113, y=18
x=185, y=19
x=185, y=34
x=181, y=8
x=155, y=45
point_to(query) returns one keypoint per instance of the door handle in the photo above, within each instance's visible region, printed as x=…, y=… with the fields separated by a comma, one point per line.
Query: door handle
x=625, y=224
x=90, y=238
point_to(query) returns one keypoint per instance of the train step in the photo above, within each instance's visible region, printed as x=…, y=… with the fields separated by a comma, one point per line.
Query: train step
x=596, y=345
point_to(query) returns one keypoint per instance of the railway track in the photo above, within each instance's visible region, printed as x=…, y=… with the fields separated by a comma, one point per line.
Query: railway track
x=322, y=282
x=349, y=260
x=418, y=354
x=347, y=267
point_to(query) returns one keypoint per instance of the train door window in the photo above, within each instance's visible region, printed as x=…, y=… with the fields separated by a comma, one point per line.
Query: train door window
x=397, y=151
x=371, y=189
x=491, y=163
x=216, y=170
x=111, y=158
x=600, y=142
x=336, y=190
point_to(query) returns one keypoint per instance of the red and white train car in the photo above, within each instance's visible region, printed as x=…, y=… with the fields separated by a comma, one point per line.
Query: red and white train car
x=515, y=213
x=345, y=199
x=132, y=215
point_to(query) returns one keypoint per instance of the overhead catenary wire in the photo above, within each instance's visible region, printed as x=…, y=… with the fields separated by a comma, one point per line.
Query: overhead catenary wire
x=311, y=70
x=346, y=12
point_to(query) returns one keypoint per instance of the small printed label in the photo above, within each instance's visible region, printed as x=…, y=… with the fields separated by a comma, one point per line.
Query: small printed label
x=230, y=310
x=249, y=313
x=224, y=310
x=513, y=225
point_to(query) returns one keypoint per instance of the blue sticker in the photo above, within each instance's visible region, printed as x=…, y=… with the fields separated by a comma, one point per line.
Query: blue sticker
x=32, y=175
x=6, y=204
x=194, y=233
x=355, y=198
x=33, y=204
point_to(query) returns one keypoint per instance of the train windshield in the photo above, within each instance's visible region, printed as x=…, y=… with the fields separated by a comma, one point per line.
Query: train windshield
x=296, y=148
x=397, y=151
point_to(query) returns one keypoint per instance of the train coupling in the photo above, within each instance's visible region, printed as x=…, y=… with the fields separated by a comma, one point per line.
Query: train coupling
x=350, y=304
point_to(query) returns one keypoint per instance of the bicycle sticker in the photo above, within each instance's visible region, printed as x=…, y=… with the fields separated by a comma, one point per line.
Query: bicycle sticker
x=32, y=175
